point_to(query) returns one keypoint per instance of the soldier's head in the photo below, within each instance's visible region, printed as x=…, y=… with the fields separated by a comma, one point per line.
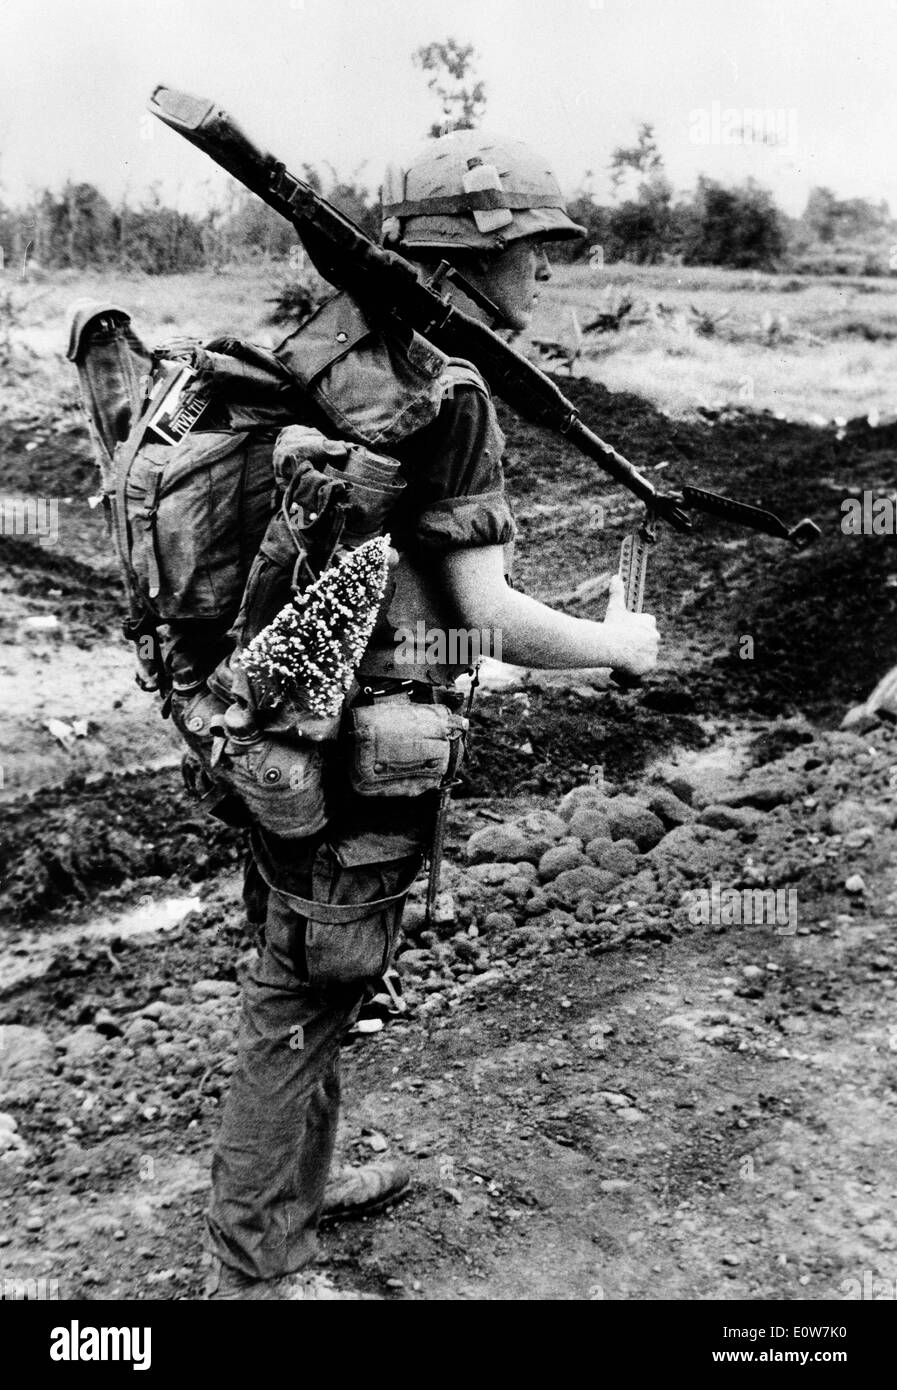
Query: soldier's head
x=487, y=205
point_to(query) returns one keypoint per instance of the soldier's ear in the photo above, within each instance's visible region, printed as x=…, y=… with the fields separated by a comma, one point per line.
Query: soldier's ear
x=475, y=263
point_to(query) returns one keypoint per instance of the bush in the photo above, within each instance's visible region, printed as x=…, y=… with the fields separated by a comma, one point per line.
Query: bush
x=644, y=230
x=738, y=227
x=297, y=299
x=159, y=241
x=839, y=260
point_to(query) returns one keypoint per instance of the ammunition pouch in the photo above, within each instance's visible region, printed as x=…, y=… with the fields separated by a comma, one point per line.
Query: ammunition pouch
x=195, y=717
x=376, y=385
x=405, y=748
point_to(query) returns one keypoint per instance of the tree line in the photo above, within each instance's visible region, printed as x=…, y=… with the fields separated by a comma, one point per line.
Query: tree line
x=644, y=222
x=78, y=228
x=737, y=226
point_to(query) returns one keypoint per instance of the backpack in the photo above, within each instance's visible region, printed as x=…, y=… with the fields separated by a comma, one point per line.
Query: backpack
x=190, y=520
x=186, y=519
x=212, y=540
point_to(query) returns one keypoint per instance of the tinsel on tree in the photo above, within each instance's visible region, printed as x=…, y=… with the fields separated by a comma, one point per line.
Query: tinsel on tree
x=309, y=652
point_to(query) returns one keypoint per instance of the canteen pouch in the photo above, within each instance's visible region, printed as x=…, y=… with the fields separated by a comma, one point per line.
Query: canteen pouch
x=402, y=748
x=374, y=489
x=279, y=779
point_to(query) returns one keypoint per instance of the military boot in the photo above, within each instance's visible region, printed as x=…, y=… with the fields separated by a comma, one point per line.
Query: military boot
x=353, y=1192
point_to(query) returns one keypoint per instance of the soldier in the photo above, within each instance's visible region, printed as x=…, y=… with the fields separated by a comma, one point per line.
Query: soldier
x=487, y=206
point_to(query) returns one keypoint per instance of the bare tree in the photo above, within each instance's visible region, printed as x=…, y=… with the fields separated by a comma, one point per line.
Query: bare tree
x=461, y=94
x=643, y=157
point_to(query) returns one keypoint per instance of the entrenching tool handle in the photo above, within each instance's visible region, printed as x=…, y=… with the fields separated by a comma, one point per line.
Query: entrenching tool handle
x=632, y=570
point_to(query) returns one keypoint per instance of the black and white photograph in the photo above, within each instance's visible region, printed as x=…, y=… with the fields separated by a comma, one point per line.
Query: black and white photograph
x=448, y=661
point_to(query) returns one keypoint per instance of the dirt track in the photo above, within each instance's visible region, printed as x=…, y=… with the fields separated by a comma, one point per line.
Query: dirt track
x=616, y=1112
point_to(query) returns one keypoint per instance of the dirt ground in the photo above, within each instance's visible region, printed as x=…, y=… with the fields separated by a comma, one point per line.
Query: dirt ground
x=598, y=1099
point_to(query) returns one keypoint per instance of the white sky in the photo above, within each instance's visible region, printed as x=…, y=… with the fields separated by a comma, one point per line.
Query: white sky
x=318, y=80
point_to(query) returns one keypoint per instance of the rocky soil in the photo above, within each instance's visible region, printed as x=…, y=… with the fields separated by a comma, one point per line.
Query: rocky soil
x=605, y=1086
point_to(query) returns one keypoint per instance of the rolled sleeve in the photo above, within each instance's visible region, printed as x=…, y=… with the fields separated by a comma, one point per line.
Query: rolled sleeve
x=456, y=522
x=455, y=498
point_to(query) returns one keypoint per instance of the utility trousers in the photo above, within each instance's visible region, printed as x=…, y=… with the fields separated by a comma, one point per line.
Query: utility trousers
x=274, y=1150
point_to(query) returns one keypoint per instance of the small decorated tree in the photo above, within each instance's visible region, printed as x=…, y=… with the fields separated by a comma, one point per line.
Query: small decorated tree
x=307, y=655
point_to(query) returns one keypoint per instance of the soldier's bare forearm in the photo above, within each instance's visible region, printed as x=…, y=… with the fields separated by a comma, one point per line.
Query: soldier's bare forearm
x=532, y=634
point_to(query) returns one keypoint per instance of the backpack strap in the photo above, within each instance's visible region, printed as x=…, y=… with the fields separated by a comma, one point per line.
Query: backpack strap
x=126, y=453
x=139, y=622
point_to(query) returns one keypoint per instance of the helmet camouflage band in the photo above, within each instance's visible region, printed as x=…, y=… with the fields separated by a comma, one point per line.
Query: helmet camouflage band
x=471, y=190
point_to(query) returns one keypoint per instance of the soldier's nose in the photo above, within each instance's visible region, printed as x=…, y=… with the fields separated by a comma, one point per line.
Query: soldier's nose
x=543, y=266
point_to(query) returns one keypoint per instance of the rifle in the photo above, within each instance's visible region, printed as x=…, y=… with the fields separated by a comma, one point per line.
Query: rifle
x=385, y=281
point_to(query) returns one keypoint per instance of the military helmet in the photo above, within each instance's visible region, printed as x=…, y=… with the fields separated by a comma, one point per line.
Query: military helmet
x=472, y=190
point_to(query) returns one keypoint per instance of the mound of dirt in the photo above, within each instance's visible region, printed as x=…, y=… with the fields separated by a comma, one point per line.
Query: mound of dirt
x=541, y=741
x=67, y=845
x=821, y=623
x=50, y=580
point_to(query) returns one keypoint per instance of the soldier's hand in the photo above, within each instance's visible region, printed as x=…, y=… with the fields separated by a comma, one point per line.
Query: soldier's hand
x=632, y=638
